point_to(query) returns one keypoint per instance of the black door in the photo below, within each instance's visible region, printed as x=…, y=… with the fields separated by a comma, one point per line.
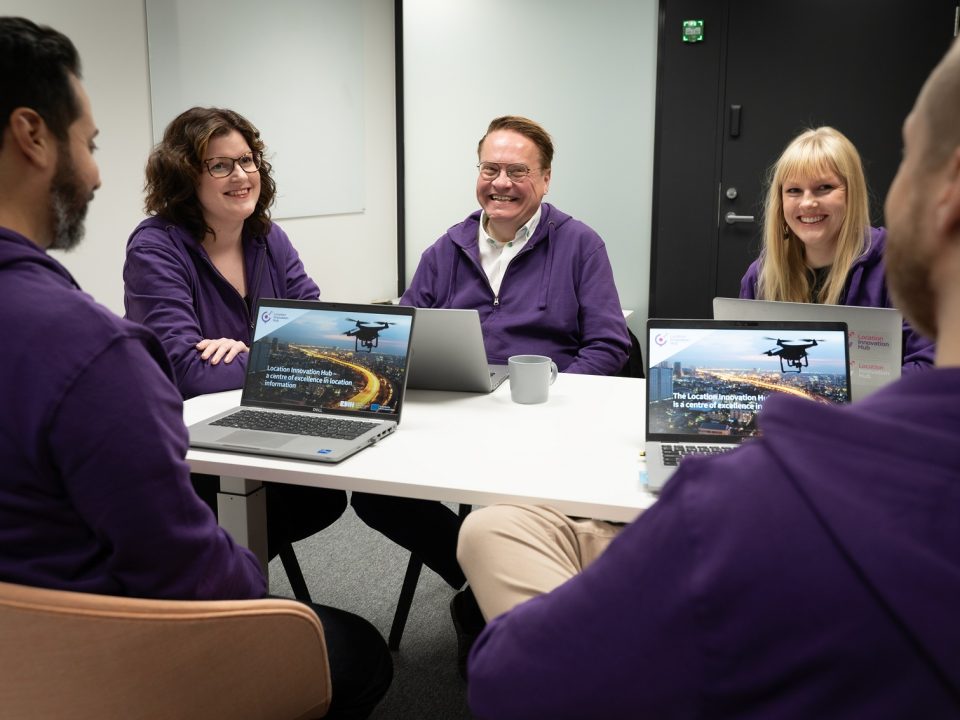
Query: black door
x=765, y=71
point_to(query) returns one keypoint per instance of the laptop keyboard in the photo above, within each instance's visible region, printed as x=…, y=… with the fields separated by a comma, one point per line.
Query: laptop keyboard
x=673, y=454
x=295, y=424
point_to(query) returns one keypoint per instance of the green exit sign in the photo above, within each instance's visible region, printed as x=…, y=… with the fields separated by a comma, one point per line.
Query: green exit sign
x=693, y=31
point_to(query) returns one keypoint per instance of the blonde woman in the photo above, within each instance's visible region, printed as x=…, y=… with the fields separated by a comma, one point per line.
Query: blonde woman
x=818, y=245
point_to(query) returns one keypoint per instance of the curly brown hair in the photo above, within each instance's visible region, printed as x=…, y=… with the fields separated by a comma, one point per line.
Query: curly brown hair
x=174, y=167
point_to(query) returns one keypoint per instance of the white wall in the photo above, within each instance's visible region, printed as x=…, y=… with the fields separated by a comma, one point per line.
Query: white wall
x=111, y=38
x=310, y=55
x=352, y=257
x=585, y=70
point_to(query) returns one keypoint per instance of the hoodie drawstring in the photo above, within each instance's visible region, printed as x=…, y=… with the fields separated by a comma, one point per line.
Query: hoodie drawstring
x=254, y=290
x=452, y=286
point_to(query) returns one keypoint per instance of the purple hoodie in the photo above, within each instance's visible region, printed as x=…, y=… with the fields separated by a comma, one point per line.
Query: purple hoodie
x=812, y=573
x=866, y=286
x=557, y=298
x=171, y=286
x=95, y=495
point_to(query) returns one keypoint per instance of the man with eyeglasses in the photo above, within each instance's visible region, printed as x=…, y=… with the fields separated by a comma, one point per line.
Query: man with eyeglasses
x=542, y=284
x=541, y=280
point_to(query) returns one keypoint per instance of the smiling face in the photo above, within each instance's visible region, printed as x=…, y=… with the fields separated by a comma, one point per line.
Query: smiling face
x=814, y=209
x=509, y=204
x=227, y=202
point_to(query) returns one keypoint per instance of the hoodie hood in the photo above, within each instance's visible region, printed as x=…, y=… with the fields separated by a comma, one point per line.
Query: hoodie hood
x=866, y=277
x=894, y=515
x=158, y=223
x=180, y=235
x=16, y=249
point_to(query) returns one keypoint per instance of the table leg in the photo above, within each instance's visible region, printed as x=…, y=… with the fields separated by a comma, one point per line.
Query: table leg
x=242, y=510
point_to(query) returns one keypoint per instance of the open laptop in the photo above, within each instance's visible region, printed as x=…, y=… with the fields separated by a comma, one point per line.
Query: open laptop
x=448, y=353
x=312, y=364
x=708, y=380
x=875, y=334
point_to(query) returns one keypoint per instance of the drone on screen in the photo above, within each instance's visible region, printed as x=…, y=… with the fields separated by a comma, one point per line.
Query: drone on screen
x=366, y=333
x=794, y=352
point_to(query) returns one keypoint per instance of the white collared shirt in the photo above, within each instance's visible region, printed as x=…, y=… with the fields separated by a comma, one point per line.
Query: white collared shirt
x=495, y=255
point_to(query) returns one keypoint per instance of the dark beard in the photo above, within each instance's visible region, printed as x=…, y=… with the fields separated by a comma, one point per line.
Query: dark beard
x=908, y=276
x=68, y=203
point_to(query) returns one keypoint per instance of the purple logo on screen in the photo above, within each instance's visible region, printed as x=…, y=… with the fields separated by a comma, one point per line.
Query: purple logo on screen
x=660, y=339
x=266, y=316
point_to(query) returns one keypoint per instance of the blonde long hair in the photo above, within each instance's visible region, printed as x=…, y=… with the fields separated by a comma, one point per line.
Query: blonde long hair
x=783, y=270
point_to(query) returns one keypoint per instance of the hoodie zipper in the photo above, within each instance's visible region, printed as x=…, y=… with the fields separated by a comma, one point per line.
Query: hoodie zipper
x=496, y=298
x=258, y=273
x=479, y=267
x=251, y=321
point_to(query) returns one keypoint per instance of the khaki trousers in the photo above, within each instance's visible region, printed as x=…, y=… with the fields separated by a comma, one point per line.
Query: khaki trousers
x=511, y=553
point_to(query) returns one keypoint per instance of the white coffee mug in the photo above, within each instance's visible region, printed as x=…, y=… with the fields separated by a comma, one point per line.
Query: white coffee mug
x=531, y=377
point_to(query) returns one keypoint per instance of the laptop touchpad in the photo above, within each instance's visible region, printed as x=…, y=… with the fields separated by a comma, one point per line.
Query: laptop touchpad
x=252, y=438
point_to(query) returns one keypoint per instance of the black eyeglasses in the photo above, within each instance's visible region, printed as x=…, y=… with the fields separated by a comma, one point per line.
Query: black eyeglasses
x=516, y=173
x=221, y=167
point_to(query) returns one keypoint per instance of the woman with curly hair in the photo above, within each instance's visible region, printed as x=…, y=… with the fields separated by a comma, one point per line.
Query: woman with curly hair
x=196, y=267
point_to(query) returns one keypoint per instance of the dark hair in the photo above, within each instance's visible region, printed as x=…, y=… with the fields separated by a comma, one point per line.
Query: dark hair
x=175, y=165
x=36, y=64
x=529, y=129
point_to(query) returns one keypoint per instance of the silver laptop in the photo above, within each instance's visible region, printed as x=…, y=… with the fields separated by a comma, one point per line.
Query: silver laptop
x=708, y=380
x=448, y=353
x=875, y=334
x=324, y=380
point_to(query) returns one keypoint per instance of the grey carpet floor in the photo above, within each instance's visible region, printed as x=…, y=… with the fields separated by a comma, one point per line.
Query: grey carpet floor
x=352, y=567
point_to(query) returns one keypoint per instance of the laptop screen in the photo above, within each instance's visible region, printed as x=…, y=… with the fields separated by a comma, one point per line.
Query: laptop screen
x=874, y=338
x=329, y=358
x=709, y=379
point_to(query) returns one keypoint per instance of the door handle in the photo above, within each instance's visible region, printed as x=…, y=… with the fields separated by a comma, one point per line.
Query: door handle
x=731, y=218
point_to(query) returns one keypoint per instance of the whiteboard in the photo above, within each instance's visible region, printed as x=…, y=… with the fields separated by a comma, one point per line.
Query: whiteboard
x=294, y=68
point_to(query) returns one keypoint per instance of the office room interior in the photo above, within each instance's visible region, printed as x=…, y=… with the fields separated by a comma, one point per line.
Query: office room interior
x=431, y=74
x=588, y=72
x=573, y=85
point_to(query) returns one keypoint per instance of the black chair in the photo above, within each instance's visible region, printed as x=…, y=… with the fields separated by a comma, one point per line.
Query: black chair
x=288, y=558
x=634, y=365
x=207, y=487
x=407, y=590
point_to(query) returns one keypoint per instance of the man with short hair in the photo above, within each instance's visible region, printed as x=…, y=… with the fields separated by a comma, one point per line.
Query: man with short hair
x=814, y=572
x=95, y=494
x=540, y=279
x=542, y=284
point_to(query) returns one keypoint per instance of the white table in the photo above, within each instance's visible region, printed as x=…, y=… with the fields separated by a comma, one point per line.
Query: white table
x=579, y=452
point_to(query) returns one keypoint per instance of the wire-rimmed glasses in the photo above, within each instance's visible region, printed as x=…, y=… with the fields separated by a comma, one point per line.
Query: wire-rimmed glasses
x=221, y=167
x=516, y=172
